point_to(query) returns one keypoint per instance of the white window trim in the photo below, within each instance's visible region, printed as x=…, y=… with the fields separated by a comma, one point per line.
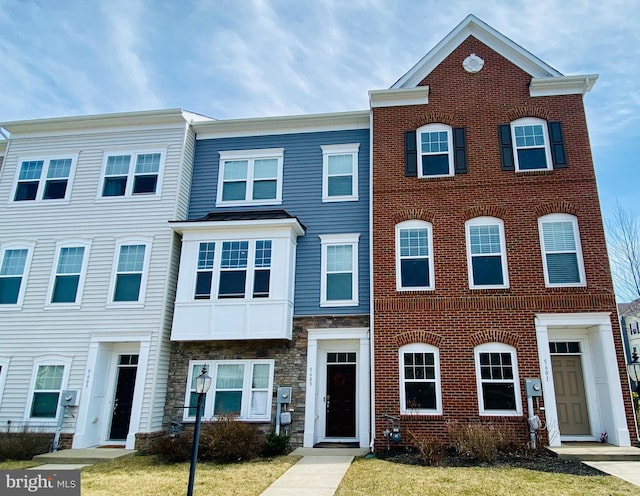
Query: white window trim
x=47, y=360
x=531, y=121
x=246, y=387
x=420, y=348
x=346, y=149
x=435, y=128
x=550, y=218
x=333, y=240
x=250, y=269
x=75, y=243
x=498, y=348
x=486, y=221
x=415, y=224
x=43, y=179
x=147, y=241
x=18, y=245
x=131, y=174
x=250, y=156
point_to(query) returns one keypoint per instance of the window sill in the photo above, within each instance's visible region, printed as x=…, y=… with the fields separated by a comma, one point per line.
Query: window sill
x=337, y=199
x=62, y=306
x=250, y=203
x=339, y=303
x=447, y=177
x=125, y=304
x=6, y=307
x=125, y=198
x=414, y=290
x=57, y=201
x=501, y=413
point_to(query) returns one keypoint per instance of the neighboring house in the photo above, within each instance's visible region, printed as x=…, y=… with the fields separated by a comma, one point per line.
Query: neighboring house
x=88, y=265
x=273, y=288
x=489, y=261
x=630, y=325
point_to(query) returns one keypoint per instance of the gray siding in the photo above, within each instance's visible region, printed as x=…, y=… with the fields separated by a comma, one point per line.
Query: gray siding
x=302, y=197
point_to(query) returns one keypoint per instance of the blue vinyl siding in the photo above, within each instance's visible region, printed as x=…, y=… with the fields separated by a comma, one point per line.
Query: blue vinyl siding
x=302, y=197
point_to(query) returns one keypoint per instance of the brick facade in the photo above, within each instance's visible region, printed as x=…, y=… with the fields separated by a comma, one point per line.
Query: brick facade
x=290, y=366
x=454, y=316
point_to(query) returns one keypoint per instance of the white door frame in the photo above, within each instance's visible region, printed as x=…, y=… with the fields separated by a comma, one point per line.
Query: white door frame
x=320, y=341
x=602, y=383
x=96, y=401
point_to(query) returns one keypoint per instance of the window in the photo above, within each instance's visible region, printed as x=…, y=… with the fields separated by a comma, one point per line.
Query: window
x=244, y=269
x=339, y=283
x=240, y=388
x=497, y=380
x=132, y=174
x=44, y=179
x=14, y=265
x=420, y=379
x=340, y=172
x=486, y=254
x=68, y=279
x=633, y=326
x=250, y=177
x=414, y=258
x=204, y=275
x=435, y=151
x=531, y=141
x=531, y=144
x=130, y=271
x=49, y=379
x=561, y=251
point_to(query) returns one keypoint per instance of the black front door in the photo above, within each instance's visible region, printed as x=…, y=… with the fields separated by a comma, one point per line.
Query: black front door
x=341, y=400
x=125, y=385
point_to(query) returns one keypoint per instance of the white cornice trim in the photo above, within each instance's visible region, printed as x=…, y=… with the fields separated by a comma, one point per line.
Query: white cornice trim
x=399, y=97
x=282, y=125
x=228, y=225
x=60, y=125
x=472, y=26
x=564, y=85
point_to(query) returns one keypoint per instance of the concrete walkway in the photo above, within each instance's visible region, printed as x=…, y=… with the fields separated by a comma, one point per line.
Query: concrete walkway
x=74, y=459
x=318, y=473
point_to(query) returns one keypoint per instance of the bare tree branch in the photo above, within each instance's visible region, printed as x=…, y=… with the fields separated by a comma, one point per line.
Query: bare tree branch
x=623, y=238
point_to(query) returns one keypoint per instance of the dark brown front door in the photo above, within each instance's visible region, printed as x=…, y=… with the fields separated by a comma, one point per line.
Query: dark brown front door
x=123, y=401
x=571, y=400
x=341, y=400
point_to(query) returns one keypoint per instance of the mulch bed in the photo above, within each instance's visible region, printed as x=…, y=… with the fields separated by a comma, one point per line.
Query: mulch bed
x=542, y=461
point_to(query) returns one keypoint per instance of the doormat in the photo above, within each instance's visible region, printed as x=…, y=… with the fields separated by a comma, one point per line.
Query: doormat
x=336, y=445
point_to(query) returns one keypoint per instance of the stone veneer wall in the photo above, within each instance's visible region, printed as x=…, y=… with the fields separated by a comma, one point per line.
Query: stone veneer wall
x=290, y=366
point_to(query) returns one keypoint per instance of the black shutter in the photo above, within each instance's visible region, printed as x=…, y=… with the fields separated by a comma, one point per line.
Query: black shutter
x=506, y=148
x=557, y=145
x=459, y=150
x=410, y=154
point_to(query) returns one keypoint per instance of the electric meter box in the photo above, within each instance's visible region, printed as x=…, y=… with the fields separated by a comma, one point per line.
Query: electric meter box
x=533, y=387
x=285, y=418
x=284, y=394
x=69, y=397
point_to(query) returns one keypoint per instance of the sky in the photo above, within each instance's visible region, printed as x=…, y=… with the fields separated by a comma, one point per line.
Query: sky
x=252, y=58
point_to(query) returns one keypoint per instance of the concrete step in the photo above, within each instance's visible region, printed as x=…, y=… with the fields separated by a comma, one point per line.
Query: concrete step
x=597, y=452
x=83, y=456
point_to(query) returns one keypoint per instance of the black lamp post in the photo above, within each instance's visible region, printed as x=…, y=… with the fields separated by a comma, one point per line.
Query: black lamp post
x=203, y=383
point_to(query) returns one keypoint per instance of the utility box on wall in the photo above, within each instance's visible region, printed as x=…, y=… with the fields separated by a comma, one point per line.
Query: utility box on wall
x=284, y=394
x=533, y=387
x=69, y=397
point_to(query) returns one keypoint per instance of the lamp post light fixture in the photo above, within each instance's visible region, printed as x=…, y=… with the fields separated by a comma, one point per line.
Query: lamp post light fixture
x=203, y=383
x=633, y=369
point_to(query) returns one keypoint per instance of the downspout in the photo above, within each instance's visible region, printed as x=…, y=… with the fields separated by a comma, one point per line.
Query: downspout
x=372, y=435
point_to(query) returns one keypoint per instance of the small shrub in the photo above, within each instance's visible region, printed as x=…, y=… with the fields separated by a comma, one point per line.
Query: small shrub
x=24, y=445
x=276, y=444
x=229, y=441
x=482, y=441
x=173, y=449
x=431, y=451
